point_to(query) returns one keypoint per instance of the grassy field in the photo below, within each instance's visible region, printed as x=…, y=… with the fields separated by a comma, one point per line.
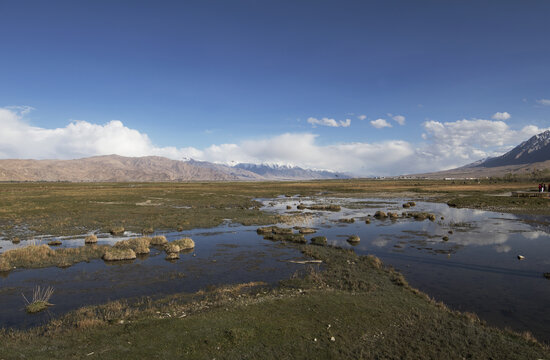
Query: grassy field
x=353, y=309
x=349, y=307
x=29, y=209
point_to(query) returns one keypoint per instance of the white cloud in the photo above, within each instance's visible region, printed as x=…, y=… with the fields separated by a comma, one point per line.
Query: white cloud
x=362, y=117
x=545, y=102
x=457, y=143
x=446, y=145
x=380, y=123
x=400, y=119
x=329, y=122
x=501, y=116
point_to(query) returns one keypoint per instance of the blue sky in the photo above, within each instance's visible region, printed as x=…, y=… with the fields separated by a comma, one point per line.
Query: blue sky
x=216, y=80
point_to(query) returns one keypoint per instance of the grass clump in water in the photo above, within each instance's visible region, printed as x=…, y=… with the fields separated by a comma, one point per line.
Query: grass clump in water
x=139, y=245
x=184, y=243
x=354, y=239
x=380, y=215
x=90, y=239
x=295, y=238
x=117, y=254
x=40, y=299
x=307, y=231
x=319, y=240
x=117, y=230
x=54, y=243
x=158, y=240
x=148, y=230
x=347, y=220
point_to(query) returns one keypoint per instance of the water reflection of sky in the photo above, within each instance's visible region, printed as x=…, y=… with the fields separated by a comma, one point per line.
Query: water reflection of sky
x=476, y=269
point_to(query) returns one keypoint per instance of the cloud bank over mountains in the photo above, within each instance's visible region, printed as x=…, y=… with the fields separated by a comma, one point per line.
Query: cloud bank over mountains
x=443, y=145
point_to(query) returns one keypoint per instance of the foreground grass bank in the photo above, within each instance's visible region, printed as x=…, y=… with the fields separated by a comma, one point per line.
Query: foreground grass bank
x=28, y=209
x=353, y=308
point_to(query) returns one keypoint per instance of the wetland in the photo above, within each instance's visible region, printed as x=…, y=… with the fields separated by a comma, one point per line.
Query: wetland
x=434, y=274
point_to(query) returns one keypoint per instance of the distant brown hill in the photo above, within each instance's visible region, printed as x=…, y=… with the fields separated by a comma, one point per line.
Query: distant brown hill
x=529, y=156
x=115, y=168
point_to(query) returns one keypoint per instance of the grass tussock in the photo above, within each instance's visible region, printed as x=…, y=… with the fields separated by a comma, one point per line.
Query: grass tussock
x=172, y=256
x=319, y=240
x=54, y=243
x=171, y=248
x=380, y=215
x=147, y=230
x=117, y=230
x=354, y=239
x=347, y=220
x=158, y=240
x=139, y=245
x=295, y=238
x=117, y=254
x=420, y=216
x=307, y=231
x=184, y=243
x=90, y=239
x=40, y=299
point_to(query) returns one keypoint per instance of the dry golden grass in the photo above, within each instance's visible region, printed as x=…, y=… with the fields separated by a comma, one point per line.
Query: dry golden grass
x=37, y=256
x=90, y=239
x=184, y=243
x=117, y=230
x=172, y=248
x=116, y=254
x=158, y=240
x=138, y=245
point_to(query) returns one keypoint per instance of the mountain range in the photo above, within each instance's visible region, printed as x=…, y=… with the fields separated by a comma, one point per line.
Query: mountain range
x=530, y=155
x=115, y=168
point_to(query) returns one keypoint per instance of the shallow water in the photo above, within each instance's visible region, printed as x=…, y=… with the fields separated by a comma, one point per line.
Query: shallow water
x=476, y=270
x=227, y=254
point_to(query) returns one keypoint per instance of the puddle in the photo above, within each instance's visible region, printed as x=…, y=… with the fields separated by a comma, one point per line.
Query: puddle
x=475, y=270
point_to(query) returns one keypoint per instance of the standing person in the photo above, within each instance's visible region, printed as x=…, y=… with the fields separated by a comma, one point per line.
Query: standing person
x=540, y=187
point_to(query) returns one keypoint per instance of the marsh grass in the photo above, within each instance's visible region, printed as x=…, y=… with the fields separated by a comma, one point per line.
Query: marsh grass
x=307, y=231
x=117, y=230
x=139, y=245
x=185, y=243
x=354, y=239
x=39, y=256
x=319, y=240
x=40, y=299
x=90, y=239
x=118, y=254
x=158, y=240
x=295, y=238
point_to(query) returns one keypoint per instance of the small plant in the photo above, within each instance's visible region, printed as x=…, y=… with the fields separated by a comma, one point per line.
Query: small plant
x=54, y=243
x=40, y=299
x=319, y=240
x=185, y=243
x=158, y=240
x=90, y=239
x=354, y=239
x=117, y=231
